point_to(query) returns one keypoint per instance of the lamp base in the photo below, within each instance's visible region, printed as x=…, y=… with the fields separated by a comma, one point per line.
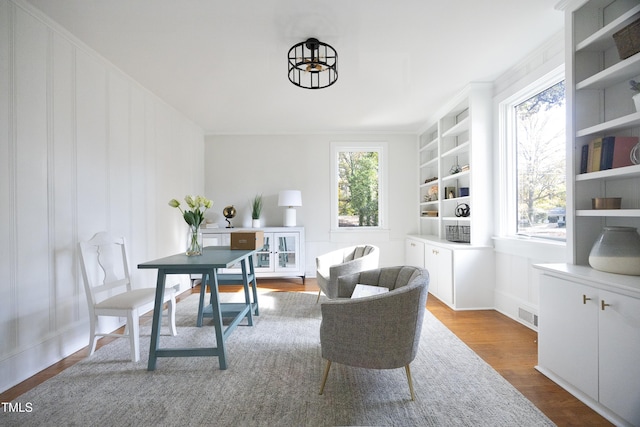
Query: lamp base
x=290, y=217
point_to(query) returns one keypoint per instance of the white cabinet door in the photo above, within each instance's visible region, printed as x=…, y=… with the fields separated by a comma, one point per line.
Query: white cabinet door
x=568, y=332
x=414, y=253
x=286, y=251
x=439, y=262
x=620, y=355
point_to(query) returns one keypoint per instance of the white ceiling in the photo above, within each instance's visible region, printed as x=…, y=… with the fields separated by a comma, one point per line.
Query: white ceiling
x=223, y=63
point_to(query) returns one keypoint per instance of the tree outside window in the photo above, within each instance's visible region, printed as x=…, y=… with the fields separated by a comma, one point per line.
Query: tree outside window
x=541, y=154
x=358, y=189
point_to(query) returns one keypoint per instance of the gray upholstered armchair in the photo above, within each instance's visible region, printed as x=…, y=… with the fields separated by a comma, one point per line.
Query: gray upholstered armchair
x=380, y=331
x=337, y=263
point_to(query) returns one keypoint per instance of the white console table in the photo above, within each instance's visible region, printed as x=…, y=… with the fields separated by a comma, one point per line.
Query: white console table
x=281, y=256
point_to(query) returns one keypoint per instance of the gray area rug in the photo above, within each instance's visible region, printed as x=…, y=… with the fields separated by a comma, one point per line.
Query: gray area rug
x=273, y=378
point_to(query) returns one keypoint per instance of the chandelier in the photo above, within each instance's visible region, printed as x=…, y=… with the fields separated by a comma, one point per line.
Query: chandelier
x=313, y=64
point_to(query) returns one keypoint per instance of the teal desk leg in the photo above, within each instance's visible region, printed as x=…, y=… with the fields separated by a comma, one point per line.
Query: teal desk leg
x=245, y=285
x=254, y=284
x=157, y=315
x=217, y=319
x=203, y=289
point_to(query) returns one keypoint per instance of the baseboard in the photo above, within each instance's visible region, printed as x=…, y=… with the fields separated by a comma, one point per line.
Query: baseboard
x=27, y=362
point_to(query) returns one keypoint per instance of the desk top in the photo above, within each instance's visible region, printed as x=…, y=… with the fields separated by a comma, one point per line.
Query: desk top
x=212, y=257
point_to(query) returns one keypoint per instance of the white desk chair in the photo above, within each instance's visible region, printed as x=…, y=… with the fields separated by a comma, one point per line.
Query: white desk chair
x=105, y=271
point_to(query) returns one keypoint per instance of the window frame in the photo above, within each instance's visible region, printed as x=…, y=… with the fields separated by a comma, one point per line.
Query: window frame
x=507, y=154
x=379, y=147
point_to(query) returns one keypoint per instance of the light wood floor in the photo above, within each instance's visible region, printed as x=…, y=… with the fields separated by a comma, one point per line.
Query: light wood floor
x=509, y=347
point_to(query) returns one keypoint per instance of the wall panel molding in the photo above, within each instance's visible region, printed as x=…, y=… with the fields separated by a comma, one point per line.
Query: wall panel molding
x=83, y=148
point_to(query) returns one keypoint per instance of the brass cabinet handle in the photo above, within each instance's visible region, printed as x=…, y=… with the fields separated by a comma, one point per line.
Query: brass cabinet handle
x=604, y=304
x=585, y=299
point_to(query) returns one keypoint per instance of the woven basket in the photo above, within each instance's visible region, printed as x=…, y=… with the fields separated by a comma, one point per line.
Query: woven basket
x=628, y=40
x=458, y=233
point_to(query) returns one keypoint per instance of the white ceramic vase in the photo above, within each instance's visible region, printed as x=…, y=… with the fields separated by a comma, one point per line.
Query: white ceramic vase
x=255, y=223
x=617, y=250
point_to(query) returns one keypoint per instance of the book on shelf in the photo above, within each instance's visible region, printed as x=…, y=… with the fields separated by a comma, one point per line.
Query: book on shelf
x=609, y=152
x=595, y=151
x=616, y=151
x=584, y=158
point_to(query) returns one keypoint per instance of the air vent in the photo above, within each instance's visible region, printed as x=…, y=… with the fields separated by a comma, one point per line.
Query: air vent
x=527, y=316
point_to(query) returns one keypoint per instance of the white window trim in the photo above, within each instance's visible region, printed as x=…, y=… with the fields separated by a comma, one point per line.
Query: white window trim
x=507, y=156
x=381, y=148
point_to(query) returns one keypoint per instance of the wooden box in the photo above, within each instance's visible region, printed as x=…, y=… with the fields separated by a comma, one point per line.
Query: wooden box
x=247, y=240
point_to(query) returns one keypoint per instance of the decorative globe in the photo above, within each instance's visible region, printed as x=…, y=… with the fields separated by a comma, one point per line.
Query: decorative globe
x=229, y=212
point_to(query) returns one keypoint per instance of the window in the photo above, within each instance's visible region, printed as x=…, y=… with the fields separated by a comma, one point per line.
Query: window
x=533, y=180
x=357, y=186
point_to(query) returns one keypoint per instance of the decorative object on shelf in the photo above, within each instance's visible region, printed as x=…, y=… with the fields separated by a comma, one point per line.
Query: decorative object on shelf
x=290, y=199
x=256, y=209
x=606, y=202
x=635, y=87
x=194, y=217
x=617, y=250
x=430, y=213
x=428, y=180
x=464, y=192
x=229, y=213
x=432, y=194
x=463, y=210
x=628, y=40
x=455, y=169
x=635, y=154
x=313, y=64
x=449, y=192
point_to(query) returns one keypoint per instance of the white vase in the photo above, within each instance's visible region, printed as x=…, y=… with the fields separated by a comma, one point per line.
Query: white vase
x=636, y=101
x=255, y=223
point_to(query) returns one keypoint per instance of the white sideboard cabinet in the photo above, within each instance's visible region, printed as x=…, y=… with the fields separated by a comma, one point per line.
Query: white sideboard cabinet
x=589, y=338
x=461, y=276
x=281, y=256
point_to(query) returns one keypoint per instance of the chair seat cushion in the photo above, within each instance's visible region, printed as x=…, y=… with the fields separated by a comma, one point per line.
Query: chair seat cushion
x=132, y=299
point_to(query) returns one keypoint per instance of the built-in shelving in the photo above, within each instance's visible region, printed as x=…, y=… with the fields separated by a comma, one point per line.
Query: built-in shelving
x=454, y=149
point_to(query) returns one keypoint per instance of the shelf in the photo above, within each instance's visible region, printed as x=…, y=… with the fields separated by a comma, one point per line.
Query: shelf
x=603, y=38
x=455, y=176
x=430, y=145
x=457, y=129
x=455, y=218
x=429, y=162
x=433, y=202
x=611, y=174
x=621, y=213
x=457, y=149
x=623, y=70
x=625, y=122
x=463, y=199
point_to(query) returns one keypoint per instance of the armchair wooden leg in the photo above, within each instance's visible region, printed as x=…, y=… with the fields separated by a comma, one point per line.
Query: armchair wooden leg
x=406, y=368
x=324, y=377
x=318, y=299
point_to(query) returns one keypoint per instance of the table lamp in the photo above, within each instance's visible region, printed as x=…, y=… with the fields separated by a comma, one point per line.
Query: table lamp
x=290, y=198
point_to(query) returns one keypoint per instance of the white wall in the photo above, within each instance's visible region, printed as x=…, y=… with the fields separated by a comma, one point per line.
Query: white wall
x=517, y=282
x=240, y=166
x=83, y=148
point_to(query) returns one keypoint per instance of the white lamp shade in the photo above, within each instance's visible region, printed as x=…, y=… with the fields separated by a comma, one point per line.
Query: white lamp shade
x=290, y=198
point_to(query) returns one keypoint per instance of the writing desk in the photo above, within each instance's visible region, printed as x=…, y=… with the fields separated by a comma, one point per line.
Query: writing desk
x=212, y=258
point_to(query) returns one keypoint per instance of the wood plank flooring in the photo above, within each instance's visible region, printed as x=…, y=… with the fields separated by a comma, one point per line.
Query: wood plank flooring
x=509, y=347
